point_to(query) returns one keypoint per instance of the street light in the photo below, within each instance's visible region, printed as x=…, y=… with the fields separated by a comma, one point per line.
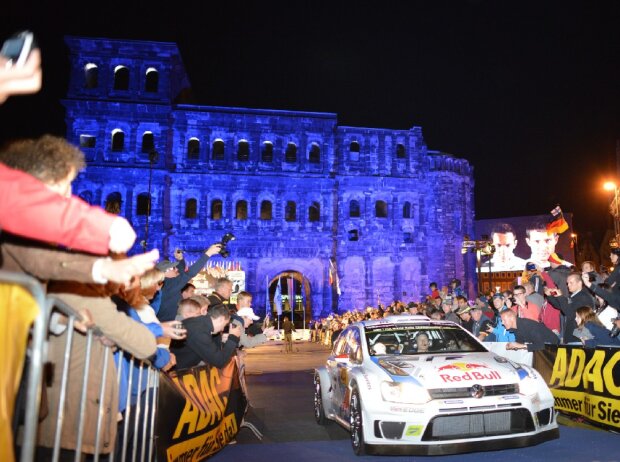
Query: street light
x=614, y=208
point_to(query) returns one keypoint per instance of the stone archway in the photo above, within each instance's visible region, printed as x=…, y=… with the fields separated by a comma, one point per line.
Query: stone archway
x=301, y=313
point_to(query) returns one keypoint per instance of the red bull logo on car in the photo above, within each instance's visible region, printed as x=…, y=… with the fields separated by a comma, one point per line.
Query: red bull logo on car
x=462, y=372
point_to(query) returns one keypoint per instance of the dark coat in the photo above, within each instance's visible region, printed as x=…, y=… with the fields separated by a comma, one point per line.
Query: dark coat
x=569, y=306
x=534, y=334
x=201, y=345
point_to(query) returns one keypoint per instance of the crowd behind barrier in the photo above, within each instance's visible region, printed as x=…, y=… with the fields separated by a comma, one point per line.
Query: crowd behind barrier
x=70, y=408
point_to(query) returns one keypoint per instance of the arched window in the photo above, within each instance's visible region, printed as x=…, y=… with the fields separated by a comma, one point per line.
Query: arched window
x=290, y=211
x=87, y=197
x=241, y=210
x=148, y=142
x=354, y=209
x=400, y=151
x=191, y=208
x=266, y=154
x=314, y=157
x=113, y=203
x=118, y=140
x=381, y=209
x=265, y=210
x=144, y=204
x=243, y=151
x=290, y=155
x=87, y=141
x=151, y=83
x=91, y=76
x=314, y=212
x=193, y=149
x=218, y=149
x=121, y=78
x=354, y=151
x=407, y=210
x=216, y=209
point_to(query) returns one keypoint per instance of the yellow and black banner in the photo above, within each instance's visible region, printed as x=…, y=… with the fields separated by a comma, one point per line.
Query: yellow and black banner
x=584, y=381
x=199, y=412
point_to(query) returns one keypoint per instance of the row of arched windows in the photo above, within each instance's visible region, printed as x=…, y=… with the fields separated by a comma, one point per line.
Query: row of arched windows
x=242, y=154
x=121, y=78
x=265, y=211
x=354, y=151
x=143, y=207
x=113, y=204
x=381, y=209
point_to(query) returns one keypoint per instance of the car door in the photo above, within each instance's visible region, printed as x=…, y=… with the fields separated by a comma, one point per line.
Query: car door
x=334, y=368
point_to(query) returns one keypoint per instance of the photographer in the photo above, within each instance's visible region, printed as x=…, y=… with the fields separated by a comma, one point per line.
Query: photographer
x=568, y=304
x=175, y=280
x=204, y=342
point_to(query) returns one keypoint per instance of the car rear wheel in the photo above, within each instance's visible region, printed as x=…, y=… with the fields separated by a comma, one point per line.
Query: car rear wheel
x=357, y=427
x=319, y=411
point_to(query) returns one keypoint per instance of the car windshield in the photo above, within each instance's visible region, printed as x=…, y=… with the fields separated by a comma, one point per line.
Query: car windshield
x=413, y=340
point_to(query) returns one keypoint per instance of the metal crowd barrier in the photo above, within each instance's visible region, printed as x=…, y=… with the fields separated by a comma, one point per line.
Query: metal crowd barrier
x=141, y=416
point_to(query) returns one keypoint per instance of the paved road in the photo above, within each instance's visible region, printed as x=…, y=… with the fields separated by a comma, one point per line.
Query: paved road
x=280, y=388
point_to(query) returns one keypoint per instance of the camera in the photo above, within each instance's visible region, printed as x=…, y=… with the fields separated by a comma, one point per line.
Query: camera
x=592, y=276
x=17, y=48
x=226, y=238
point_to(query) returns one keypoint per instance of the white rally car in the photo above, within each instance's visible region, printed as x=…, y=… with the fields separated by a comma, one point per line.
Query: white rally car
x=409, y=385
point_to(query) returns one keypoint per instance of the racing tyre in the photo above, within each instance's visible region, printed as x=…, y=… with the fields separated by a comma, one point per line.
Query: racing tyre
x=357, y=427
x=319, y=410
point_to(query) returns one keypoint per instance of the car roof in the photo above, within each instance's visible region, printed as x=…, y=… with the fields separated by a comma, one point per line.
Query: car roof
x=404, y=319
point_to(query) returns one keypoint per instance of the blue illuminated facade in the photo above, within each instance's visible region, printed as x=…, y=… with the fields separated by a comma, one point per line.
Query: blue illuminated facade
x=296, y=188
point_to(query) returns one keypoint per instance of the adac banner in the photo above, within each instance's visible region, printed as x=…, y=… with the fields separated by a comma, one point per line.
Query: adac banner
x=584, y=381
x=199, y=411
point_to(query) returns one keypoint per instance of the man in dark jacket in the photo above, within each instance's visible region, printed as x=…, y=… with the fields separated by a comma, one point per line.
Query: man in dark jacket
x=569, y=304
x=203, y=342
x=176, y=278
x=529, y=335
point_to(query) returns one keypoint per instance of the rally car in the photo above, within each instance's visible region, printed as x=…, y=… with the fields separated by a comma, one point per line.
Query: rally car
x=411, y=385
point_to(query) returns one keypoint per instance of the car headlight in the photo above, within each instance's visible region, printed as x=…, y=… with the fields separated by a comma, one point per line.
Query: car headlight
x=404, y=392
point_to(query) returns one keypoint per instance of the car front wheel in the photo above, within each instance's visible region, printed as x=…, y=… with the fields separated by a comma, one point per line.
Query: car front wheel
x=319, y=411
x=357, y=428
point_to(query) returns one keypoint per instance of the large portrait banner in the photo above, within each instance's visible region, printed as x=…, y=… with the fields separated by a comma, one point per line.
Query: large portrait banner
x=199, y=412
x=584, y=381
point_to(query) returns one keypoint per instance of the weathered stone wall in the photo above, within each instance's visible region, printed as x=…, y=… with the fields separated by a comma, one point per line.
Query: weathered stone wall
x=391, y=213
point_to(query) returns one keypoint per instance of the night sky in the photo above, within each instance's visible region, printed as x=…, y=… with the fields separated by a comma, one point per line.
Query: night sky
x=528, y=92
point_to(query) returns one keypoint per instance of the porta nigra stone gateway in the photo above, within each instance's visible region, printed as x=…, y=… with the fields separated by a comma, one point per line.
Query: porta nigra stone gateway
x=297, y=189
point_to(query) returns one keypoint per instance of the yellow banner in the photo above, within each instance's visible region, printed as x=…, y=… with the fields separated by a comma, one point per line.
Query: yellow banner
x=601, y=409
x=202, y=446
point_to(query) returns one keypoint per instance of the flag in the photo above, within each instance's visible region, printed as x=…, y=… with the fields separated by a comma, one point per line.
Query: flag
x=277, y=298
x=558, y=224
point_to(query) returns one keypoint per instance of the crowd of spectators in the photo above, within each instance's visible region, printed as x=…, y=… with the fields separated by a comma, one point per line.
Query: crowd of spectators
x=557, y=305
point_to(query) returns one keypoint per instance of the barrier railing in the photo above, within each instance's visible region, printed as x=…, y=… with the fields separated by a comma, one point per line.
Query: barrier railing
x=75, y=432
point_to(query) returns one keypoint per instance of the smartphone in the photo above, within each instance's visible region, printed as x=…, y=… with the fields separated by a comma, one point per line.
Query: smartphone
x=17, y=48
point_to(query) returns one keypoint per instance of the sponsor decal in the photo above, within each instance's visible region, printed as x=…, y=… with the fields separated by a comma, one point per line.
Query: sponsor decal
x=414, y=430
x=414, y=410
x=462, y=372
x=584, y=381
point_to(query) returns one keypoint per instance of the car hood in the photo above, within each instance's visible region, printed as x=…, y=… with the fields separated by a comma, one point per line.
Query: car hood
x=447, y=371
